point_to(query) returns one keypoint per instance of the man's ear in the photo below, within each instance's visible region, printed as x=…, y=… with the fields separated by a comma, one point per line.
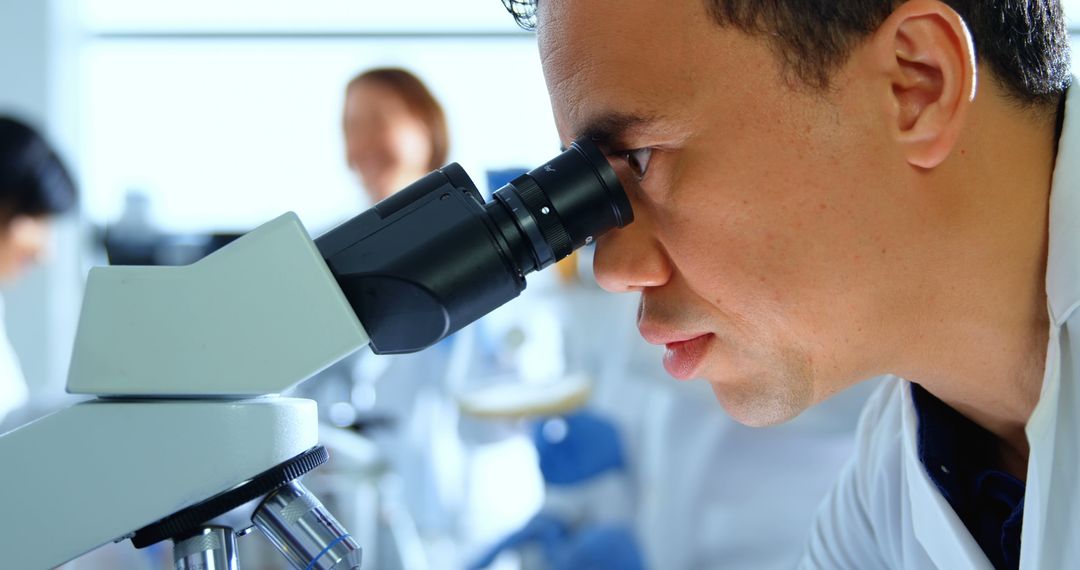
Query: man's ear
x=926, y=54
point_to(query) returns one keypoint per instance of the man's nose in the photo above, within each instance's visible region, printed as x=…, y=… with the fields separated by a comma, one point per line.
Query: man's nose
x=631, y=259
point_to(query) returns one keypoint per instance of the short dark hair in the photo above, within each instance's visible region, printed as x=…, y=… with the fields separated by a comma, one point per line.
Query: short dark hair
x=1024, y=42
x=33, y=180
x=420, y=102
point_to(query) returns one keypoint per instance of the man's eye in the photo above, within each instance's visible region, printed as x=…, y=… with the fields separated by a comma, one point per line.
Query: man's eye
x=638, y=161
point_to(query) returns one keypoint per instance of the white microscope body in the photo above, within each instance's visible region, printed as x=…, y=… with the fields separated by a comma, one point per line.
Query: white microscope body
x=187, y=438
x=185, y=363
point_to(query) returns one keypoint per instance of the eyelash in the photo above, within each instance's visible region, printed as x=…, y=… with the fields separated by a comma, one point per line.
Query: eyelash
x=638, y=165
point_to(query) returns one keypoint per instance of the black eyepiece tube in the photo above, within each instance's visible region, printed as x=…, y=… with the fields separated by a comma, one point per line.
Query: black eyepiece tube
x=435, y=257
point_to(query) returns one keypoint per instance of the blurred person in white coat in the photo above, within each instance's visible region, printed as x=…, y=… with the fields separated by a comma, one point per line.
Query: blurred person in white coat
x=395, y=132
x=34, y=188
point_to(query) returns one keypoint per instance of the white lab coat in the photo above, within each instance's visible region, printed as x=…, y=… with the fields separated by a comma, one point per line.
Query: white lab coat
x=885, y=512
x=13, y=391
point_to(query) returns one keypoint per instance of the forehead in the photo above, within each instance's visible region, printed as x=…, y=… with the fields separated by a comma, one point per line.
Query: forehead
x=372, y=96
x=636, y=57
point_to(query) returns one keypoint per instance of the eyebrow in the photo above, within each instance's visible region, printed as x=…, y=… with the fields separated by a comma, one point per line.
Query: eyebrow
x=609, y=129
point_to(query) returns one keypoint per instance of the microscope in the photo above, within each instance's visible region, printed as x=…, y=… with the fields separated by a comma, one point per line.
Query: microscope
x=186, y=437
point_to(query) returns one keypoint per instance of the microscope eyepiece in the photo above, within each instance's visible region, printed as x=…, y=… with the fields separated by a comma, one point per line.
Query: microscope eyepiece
x=565, y=203
x=435, y=256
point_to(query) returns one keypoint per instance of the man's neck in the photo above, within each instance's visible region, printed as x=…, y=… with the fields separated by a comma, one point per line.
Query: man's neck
x=982, y=346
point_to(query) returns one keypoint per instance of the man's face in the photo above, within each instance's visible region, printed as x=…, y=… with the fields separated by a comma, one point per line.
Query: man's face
x=768, y=224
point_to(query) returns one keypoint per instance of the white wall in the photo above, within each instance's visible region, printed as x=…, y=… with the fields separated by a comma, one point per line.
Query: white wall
x=225, y=133
x=1072, y=17
x=23, y=57
x=345, y=16
x=1072, y=12
x=226, y=114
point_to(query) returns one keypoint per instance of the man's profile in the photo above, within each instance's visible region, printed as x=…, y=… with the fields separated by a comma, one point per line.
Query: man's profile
x=831, y=191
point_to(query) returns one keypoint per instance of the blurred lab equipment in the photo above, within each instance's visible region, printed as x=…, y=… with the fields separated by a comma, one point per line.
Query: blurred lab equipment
x=586, y=522
x=184, y=363
x=390, y=404
x=134, y=238
x=34, y=188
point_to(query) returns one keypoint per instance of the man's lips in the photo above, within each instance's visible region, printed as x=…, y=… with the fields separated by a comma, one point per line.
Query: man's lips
x=659, y=335
x=685, y=351
x=683, y=359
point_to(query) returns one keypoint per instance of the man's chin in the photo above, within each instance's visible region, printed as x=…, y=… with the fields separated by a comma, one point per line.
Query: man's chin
x=753, y=407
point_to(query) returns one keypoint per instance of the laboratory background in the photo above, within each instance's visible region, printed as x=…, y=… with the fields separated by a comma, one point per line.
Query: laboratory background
x=544, y=436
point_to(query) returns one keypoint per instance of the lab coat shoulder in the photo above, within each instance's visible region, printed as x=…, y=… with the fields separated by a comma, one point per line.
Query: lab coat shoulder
x=886, y=512
x=860, y=523
x=13, y=391
x=1052, y=506
x=1051, y=533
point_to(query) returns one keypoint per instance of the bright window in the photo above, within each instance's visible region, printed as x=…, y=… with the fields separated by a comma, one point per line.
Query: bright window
x=227, y=116
x=349, y=16
x=1072, y=17
x=224, y=134
x=1072, y=13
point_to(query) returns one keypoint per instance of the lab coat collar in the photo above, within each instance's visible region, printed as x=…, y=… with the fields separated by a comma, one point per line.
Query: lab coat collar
x=1063, y=262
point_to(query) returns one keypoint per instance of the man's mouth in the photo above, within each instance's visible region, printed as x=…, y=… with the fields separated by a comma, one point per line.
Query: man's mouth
x=685, y=351
x=684, y=358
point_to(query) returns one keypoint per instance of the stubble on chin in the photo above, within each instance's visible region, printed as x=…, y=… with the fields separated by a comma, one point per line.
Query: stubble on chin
x=781, y=389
